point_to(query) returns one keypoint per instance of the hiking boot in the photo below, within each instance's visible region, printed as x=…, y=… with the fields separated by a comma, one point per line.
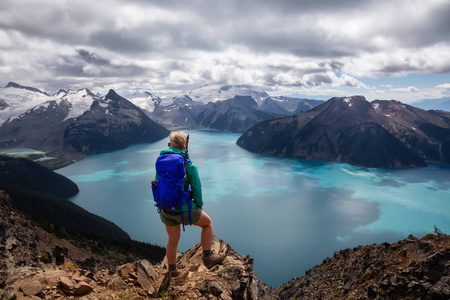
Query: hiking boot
x=212, y=259
x=175, y=272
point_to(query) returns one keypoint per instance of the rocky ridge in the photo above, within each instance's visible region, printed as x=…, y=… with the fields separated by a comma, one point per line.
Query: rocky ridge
x=233, y=279
x=409, y=269
x=37, y=265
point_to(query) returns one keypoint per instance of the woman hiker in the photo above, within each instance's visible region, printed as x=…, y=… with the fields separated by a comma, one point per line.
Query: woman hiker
x=172, y=220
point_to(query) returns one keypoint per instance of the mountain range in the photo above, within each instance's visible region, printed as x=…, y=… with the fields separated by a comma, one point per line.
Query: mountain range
x=435, y=104
x=204, y=107
x=72, y=123
x=234, y=115
x=381, y=134
x=69, y=125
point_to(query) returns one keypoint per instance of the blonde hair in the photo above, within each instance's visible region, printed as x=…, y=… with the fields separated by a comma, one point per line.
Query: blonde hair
x=178, y=140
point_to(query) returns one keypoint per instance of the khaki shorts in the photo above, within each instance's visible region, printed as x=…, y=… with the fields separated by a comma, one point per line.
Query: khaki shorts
x=174, y=220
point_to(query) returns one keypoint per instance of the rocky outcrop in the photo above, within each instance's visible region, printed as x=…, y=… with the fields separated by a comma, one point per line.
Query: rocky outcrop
x=34, y=263
x=233, y=279
x=409, y=269
x=24, y=244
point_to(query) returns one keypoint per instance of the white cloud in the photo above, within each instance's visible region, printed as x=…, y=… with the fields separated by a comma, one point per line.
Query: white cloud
x=409, y=89
x=307, y=46
x=443, y=90
x=5, y=40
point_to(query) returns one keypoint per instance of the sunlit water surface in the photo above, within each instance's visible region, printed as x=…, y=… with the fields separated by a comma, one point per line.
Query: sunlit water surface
x=287, y=214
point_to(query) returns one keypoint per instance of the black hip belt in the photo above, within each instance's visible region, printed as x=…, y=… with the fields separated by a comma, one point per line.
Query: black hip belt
x=171, y=212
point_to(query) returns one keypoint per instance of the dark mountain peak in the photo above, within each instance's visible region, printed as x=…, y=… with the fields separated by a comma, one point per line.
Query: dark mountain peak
x=246, y=101
x=182, y=100
x=88, y=91
x=344, y=111
x=112, y=95
x=153, y=96
x=18, y=86
x=350, y=102
x=61, y=91
x=118, y=102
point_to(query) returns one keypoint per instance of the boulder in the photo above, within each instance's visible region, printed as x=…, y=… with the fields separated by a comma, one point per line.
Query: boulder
x=31, y=288
x=83, y=288
x=117, y=284
x=66, y=283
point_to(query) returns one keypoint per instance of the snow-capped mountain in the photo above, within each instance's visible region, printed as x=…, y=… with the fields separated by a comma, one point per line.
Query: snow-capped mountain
x=215, y=92
x=111, y=124
x=72, y=122
x=80, y=101
x=16, y=100
x=183, y=109
x=146, y=101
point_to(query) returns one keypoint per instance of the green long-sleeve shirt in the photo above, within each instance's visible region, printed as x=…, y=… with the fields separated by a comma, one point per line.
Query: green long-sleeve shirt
x=192, y=178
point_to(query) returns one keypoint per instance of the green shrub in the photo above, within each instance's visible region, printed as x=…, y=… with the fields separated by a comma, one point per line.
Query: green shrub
x=45, y=257
x=429, y=236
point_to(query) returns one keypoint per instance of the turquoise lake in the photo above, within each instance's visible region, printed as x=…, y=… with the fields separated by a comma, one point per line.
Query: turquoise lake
x=288, y=214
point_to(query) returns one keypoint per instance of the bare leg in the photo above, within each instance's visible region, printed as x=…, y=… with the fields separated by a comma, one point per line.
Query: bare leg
x=174, y=237
x=207, y=231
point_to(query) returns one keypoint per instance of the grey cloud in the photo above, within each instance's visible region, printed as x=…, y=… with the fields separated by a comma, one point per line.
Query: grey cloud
x=397, y=67
x=336, y=65
x=206, y=75
x=319, y=79
x=76, y=66
x=120, y=41
x=269, y=80
x=157, y=37
x=92, y=58
x=238, y=8
x=429, y=30
x=265, y=26
x=64, y=22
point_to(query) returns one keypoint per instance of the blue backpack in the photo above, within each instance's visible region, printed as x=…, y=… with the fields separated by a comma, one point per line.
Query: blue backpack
x=171, y=191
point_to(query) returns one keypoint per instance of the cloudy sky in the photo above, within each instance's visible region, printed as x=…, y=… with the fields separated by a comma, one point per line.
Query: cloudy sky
x=382, y=49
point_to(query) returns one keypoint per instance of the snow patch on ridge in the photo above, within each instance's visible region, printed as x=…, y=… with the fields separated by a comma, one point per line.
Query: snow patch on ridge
x=145, y=101
x=349, y=101
x=80, y=102
x=215, y=93
x=20, y=101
